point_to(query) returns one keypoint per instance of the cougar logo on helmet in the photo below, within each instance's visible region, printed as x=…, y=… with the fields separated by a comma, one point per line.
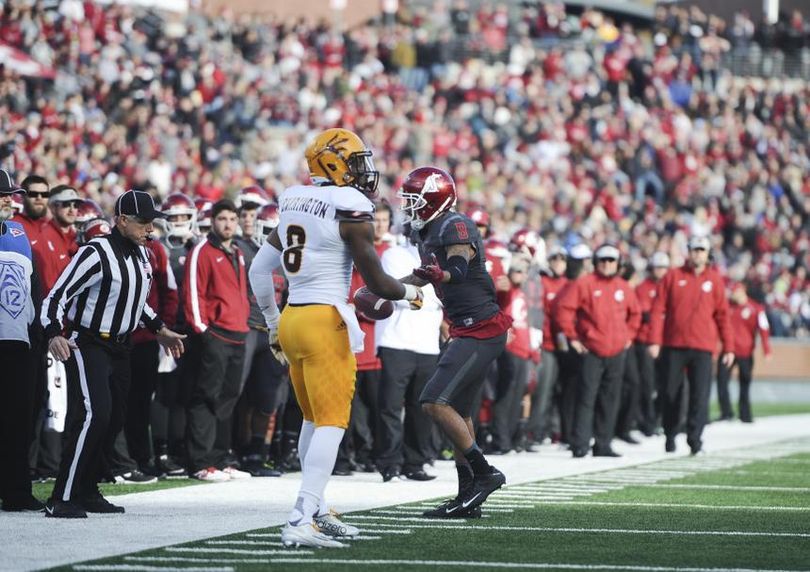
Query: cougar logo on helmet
x=426, y=192
x=339, y=157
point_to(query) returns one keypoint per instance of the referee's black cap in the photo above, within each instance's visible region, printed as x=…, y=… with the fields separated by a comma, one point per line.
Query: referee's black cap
x=137, y=204
x=7, y=184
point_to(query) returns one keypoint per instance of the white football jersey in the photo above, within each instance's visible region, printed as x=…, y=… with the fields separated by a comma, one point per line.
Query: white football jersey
x=315, y=258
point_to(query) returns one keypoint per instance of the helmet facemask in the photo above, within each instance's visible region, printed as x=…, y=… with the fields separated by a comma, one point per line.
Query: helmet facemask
x=364, y=177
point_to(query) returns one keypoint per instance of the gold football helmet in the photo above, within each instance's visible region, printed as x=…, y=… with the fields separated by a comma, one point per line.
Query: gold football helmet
x=339, y=157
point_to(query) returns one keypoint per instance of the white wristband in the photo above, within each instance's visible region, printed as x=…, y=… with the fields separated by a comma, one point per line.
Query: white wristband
x=411, y=292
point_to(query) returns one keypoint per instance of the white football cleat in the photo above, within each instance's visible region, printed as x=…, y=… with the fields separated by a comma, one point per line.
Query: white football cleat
x=331, y=525
x=235, y=474
x=211, y=475
x=307, y=534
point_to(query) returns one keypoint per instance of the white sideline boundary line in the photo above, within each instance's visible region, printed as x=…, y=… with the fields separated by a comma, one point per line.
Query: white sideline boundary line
x=539, y=565
x=444, y=525
x=141, y=568
x=519, y=565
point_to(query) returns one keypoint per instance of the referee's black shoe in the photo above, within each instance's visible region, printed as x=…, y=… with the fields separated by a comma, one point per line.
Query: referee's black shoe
x=96, y=503
x=483, y=486
x=25, y=504
x=63, y=509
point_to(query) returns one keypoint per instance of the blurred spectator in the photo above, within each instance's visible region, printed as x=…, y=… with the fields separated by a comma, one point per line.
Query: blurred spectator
x=17, y=387
x=748, y=320
x=408, y=346
x=689, y=299
x=217, y=308
x=650, y=390
x=599, y=316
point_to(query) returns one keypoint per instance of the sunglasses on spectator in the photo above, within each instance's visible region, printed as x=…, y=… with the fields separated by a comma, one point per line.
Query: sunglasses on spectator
x=69, y=204
x=138, y=219
x=606, y=260
x=36, y=195
x=698, y=249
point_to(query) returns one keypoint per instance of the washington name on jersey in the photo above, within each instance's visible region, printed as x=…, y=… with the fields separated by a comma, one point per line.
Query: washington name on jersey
x=315, y=258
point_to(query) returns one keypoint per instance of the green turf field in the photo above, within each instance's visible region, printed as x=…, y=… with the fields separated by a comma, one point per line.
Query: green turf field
x=741, y=510
x=766, y=409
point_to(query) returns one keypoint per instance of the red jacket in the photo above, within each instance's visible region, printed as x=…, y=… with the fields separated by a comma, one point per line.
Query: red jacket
x=645, y=293
x=746, y=320
x=33, y=227
x=52, y=253
x=552, y=285
x=162, y=296
x=216, y=287
x=600, y=312
x=515, y=305
x=686, y=309
x=367, y=360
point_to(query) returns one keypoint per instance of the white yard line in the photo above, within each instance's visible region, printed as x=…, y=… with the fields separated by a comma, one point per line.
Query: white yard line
x=743, y=488
x=243, y=542
x=218, y=550
x=205, y=560
x=681, y=505
x=171, y=516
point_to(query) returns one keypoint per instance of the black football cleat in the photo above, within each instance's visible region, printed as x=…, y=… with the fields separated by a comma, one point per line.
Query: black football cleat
x=453, y=509
x=482, y=487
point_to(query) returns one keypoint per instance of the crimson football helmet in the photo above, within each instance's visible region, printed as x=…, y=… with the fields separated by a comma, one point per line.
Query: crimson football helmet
x=201, y=204
x=524, y=240
x=179, y=205
x=267, y=218
x=204, y=221
x=481, y=218
x=426, y=193
x=253, y=195
x=92, y=228
x=88, y=210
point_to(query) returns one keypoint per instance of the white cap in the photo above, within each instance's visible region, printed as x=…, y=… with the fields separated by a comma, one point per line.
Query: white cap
x=607, y=251
x=659, y=260
x=580, y=251
x=64, y=195
x=699, y=241
x=556, y=250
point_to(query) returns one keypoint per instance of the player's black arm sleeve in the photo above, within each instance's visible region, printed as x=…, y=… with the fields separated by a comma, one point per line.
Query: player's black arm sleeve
x=359, y=237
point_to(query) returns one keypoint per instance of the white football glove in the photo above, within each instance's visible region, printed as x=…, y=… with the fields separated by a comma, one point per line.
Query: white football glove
x=275, y=347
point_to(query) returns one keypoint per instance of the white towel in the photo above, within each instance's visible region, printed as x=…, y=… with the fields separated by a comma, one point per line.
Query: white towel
x=356, y=335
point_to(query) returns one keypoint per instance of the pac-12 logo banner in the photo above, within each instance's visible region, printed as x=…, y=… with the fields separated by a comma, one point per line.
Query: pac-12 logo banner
x=13, y=288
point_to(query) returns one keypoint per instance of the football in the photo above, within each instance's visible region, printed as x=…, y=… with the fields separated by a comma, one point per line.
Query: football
x=372, y=306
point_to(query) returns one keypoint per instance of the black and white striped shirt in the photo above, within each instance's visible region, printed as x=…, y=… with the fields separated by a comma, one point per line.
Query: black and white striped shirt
x=102, y=290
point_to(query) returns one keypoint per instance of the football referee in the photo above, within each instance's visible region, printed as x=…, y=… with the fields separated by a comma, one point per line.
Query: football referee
x=102, y=294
